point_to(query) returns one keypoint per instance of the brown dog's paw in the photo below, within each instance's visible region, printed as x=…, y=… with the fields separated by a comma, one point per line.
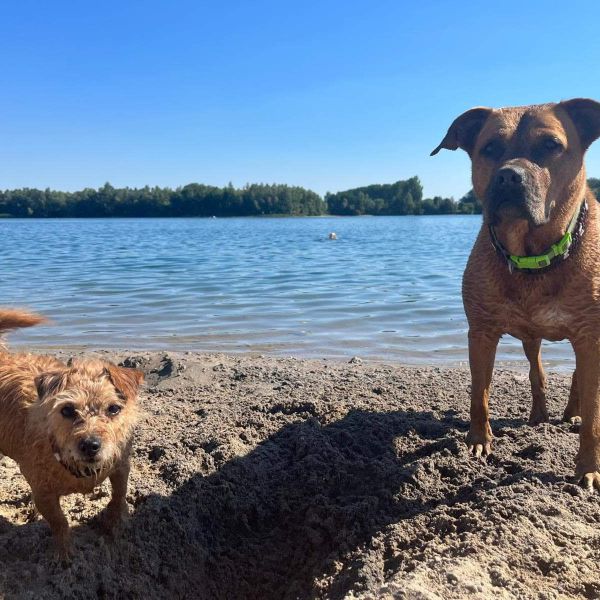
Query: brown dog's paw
x=480, y=450
x=479, y=442
x=538, y=415
x=572, y=410
x=590, y=481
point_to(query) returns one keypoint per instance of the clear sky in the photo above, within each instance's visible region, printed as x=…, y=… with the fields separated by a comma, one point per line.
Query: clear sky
x=327, y=95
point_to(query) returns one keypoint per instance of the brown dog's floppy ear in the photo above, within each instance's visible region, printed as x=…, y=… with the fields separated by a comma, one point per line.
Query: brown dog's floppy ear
x=464, y=130
x=585, y=114
x=49, y=384
x=127, y=381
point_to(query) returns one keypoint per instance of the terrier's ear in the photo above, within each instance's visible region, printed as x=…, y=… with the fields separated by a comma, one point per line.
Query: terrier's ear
x=464, y=130
x=126, y=381
x=50, y=384
x=585, y=114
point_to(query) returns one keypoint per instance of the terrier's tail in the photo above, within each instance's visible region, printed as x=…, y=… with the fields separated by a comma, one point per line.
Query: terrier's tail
x=15, y=319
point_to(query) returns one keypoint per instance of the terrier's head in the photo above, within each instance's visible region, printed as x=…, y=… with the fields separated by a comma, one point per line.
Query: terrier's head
x=87, y=410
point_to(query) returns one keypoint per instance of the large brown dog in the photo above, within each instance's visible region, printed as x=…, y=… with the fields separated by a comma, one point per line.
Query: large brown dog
x=68, y=427
x=534, y=271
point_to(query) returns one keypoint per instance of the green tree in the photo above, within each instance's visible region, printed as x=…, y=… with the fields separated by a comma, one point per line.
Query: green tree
x=469, y=204
x=595, y=186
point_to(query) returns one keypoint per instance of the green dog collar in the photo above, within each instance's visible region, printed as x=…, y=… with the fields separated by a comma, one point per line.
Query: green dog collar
x=556, y=253
x=544, y=260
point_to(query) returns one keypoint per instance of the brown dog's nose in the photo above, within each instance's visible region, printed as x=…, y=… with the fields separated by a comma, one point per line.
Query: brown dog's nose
x=509, y=178
x=90, y=446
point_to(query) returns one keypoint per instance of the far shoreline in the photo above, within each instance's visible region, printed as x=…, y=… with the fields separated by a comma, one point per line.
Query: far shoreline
x=229, y=217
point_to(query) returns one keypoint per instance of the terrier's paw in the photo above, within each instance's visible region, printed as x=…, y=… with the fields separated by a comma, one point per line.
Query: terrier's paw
x=32, y=514
x=63, y=553
x=113, y=518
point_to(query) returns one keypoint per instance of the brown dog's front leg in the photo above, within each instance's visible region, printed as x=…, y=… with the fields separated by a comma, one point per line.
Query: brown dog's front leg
x=572, y=411
x=49, y=506
x=537, y=377
x=587, y=360
x=482, y=353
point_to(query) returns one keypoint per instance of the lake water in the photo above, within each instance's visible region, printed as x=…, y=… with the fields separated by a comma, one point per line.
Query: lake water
x=388, y=288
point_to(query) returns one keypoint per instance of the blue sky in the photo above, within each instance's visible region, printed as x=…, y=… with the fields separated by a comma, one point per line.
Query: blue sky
x=327, y=95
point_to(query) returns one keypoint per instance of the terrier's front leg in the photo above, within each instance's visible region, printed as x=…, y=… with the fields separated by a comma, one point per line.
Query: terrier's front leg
x=48, y=504
x=116, y=511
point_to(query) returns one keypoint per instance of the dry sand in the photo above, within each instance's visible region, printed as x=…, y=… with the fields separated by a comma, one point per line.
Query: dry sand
x=276, y=478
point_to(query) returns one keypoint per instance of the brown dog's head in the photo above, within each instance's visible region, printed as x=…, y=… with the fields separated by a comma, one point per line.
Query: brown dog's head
x=87, y=411
x=526, y=160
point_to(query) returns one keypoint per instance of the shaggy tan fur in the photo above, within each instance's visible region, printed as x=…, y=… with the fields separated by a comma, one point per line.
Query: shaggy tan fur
x=68, y=427
x=546, y=144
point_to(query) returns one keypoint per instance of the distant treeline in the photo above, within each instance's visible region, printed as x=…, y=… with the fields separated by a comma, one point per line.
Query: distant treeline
x=400, y=198
x=196, y=200
x=193, y=200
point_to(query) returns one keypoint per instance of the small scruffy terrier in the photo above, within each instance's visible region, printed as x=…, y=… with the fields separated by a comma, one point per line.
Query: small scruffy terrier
x=68, y=427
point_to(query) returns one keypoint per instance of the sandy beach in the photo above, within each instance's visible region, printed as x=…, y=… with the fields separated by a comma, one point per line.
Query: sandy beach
x=258, y=477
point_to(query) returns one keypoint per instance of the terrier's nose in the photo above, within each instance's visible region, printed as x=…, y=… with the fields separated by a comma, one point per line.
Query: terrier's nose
x=90, y=446
x=509, y=178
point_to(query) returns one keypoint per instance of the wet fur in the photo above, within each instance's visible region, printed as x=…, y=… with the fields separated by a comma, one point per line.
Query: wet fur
x=562, y=303
x=44, y=443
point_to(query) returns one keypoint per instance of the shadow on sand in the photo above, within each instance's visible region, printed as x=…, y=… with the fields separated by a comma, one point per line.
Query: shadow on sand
x=267, y=524
x=274, y=523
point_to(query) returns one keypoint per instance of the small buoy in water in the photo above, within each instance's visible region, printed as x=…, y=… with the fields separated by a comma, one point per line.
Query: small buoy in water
x=333, y=235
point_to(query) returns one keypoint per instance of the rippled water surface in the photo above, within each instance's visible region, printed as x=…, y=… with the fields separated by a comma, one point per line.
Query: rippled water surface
x=387, y=288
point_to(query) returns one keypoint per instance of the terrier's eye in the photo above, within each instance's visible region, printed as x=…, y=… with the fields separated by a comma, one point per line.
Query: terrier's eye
x=114, y=409
x=68, y=411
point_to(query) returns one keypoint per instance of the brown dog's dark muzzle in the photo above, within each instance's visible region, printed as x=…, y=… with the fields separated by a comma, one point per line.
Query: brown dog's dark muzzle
x=509, y=180
x=515, y=194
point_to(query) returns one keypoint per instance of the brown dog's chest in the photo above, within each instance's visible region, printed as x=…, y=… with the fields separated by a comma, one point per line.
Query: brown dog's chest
x=532, y=308
x=554, y=309
x=563, y=303
x=549, y=321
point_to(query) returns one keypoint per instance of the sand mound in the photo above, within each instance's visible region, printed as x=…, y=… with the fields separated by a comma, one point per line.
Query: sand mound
x=279, y=478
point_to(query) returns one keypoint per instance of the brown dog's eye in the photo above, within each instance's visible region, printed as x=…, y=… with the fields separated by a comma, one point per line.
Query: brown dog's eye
x=493, y=150
x=68, y=411
x=114, y=409
x=552, y=144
